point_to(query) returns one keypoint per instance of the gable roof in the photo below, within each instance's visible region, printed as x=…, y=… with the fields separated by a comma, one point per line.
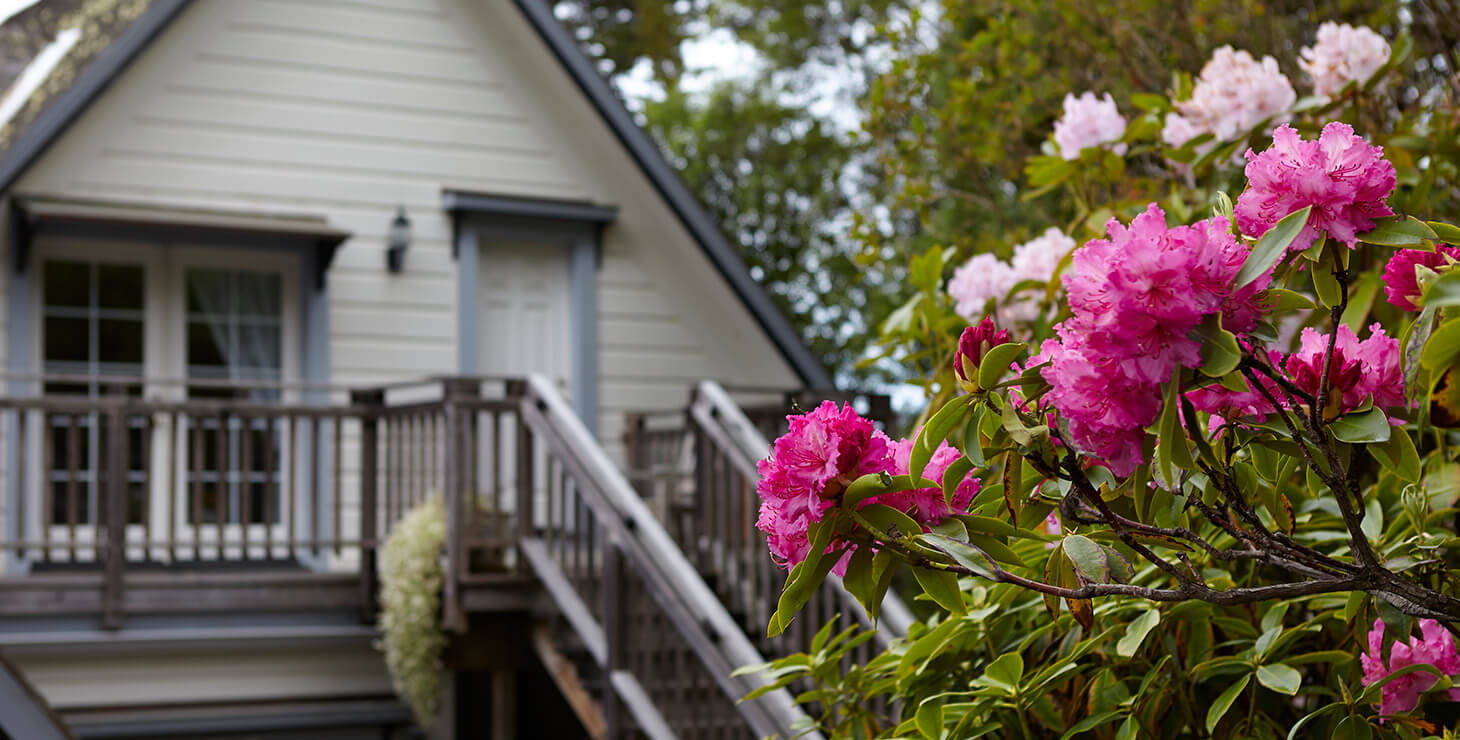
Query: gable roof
x=115, y=32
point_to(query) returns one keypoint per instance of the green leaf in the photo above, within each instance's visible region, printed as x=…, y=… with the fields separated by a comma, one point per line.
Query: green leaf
x=1266, y=639
x=1412, y=341
x=935, y=431
x=995, y=363
x=929, y=719
x=867, y=486
x=1135, y=633
x=1282, y=300
x=1088, y=557
x=1272, y=246
x=964, y=554
x=995, y=549
x=1373, y=691
x=1326, y=285
x=1172, y=453
x=1127, y=730
x=1220, y=353
x=1293, y=733
x=1447, y=233
x=1224, y=702
x=1007, y=670
x=1445, y=291
x=1280, y=678
x=860, y=580
x=1090, y=723
x=972, y=443
x=996, y=527
x=1352, y=728
x=1442, y=351
x=1398, y=231
x=801, y=584
x=942, y=587
x=895, y=523
x=1398, y=455
x=953, y=476
x=1366, y=426
x=926, y=270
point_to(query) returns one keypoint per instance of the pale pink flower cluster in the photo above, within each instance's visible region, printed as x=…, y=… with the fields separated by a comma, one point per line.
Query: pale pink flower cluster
x=1342, y=54
x=1435, y=647
x=1340, y=175
x=986, y=277
x=1088, y=122
x=1136, y=298
x=810, y=465
x=1233, y=94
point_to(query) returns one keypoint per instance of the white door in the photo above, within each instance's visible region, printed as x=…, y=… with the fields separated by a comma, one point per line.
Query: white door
x=526, y=327
x=525, y=311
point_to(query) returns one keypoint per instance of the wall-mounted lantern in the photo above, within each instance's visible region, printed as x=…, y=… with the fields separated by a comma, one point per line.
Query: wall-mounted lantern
x=397, y=241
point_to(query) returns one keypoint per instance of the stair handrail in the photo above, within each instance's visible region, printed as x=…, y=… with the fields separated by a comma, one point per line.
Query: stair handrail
x=713, y=406
x=637, y=523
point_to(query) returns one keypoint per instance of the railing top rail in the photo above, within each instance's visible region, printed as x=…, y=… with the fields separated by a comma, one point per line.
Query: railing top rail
x=246, y=384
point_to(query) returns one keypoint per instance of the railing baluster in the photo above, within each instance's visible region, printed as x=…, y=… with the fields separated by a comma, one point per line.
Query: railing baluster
x=337, y=501
x=73, y=466
x=172, y=492
x=316, y=446
x=271, y=487
x=116, y=511
x=613, y=632
x=294, y=472
x=223, y=483
x=370, y=403
x=245, y=482
x=195, y=428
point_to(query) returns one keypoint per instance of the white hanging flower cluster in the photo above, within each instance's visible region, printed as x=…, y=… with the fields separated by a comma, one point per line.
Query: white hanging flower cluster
x=411, y=578
x=1342, y=55
x=1234, y=93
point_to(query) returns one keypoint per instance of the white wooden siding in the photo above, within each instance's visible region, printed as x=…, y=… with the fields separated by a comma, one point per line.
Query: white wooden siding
x=348, y=109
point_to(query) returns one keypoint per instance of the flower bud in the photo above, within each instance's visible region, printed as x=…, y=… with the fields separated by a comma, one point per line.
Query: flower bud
x=975, y=342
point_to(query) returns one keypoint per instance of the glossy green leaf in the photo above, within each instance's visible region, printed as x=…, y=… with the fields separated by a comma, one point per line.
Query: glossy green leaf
x=929, y=719
x=1366, y=426
x=1398, y=231
x=1090, y=723
x=1272, y=246
x=935, y=431
x=1280, y=678
x=1088, y=557
x=1398, y=455
x=964, y=554
x=995, y=363
x=1442, y=351
x=1444, y=291
x=1219, y=708
x=1352, y=728
x=1220, y=353
x=1006, y=670
x=1326, y=285
x=942, y=587
x=1447, y=233
x=1136, y=631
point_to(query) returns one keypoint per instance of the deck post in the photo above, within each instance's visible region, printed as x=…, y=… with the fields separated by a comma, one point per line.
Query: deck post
x=458, y=454
x=525, y=474
x=613, y=634
x=370, y=403
x=114, y=510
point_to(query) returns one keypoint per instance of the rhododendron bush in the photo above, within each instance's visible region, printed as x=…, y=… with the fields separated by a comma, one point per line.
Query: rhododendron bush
x=1184, y=470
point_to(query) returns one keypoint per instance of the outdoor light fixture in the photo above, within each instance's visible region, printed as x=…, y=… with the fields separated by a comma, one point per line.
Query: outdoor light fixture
x=398, y=239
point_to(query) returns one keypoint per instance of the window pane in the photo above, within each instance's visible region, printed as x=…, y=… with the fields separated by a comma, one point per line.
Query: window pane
x=258, y=294
x=119, y=286
x=207, y=344
x=120, y=341
x=67, y=283
x=258, y=352
x=209, y=291
x=66, y=340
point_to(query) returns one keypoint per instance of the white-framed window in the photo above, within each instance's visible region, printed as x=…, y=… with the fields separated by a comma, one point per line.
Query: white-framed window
x=179, y=313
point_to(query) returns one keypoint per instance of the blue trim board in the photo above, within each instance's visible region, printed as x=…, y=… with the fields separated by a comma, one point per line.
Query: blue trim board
x=583, y=281
x=468, y=297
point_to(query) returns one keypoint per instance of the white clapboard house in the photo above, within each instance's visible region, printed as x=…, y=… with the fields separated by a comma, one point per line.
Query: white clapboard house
x=275, y=271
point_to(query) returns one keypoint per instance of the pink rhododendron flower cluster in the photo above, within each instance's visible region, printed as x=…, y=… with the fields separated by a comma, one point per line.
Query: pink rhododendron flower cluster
x=824, y=451
x=1087, y=122
x=1135, y=299
x=1436, y=647
x=986, y=277
x=1233, y=94
x=926, y=505
x=1342, y=55
x=1401, y=279
x=1340, y=175
x=1359, y=370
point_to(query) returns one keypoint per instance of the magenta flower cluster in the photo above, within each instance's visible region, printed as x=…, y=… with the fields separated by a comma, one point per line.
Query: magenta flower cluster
x=1340, y=175
x=1360, y=371
x=1135, y=300
x=1401, y=275
x=824, y=451
x=1435, y=647
x=821, y=454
